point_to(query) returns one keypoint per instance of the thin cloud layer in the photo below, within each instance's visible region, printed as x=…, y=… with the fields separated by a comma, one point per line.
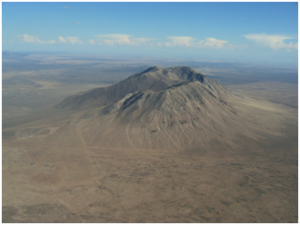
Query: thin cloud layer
x=125, y=39
x=182, y=41
x=212, y=42
x=185, y=41
x=120, y=39
x=72, y=40
x=272, y=41
x=61, y=39
x=33, y=39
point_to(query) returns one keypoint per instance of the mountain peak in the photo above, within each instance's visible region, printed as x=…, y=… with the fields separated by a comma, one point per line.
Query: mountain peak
x=151, y=69
x=154, y=78
x=183, y=71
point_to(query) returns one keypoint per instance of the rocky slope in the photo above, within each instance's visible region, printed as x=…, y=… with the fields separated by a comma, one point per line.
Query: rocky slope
x=154, y=78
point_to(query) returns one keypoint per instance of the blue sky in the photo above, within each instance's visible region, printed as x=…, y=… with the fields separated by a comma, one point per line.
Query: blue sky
x=241, y=32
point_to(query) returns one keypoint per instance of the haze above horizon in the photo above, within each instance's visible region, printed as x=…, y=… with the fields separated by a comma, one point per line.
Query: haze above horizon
x=230, y=32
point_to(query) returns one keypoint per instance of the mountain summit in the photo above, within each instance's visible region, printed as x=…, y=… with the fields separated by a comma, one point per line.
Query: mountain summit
x=152, y=79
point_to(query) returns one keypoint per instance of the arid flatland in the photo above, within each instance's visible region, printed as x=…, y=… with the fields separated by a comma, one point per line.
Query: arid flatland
x=233, y=160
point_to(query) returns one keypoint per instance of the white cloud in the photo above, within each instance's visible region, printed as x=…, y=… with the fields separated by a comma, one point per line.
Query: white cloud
x=121, y=39
x=137, y=41
x=185, y=41
x=173, y=41
x=51, y=41
x=74, y=40
x=111, y=39
x=78, y=22
x=61, y=39
x=272, y=41
x=29, y=38
x=212, y=42
x=33, y=39
x=180, y=41
x=109, y=42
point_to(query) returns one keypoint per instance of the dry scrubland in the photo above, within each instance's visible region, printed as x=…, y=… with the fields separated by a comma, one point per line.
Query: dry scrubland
x=109, y=185
x=54, y=171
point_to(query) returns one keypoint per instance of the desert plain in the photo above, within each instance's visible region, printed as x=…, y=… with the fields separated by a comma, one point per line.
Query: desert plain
x=54, y=169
